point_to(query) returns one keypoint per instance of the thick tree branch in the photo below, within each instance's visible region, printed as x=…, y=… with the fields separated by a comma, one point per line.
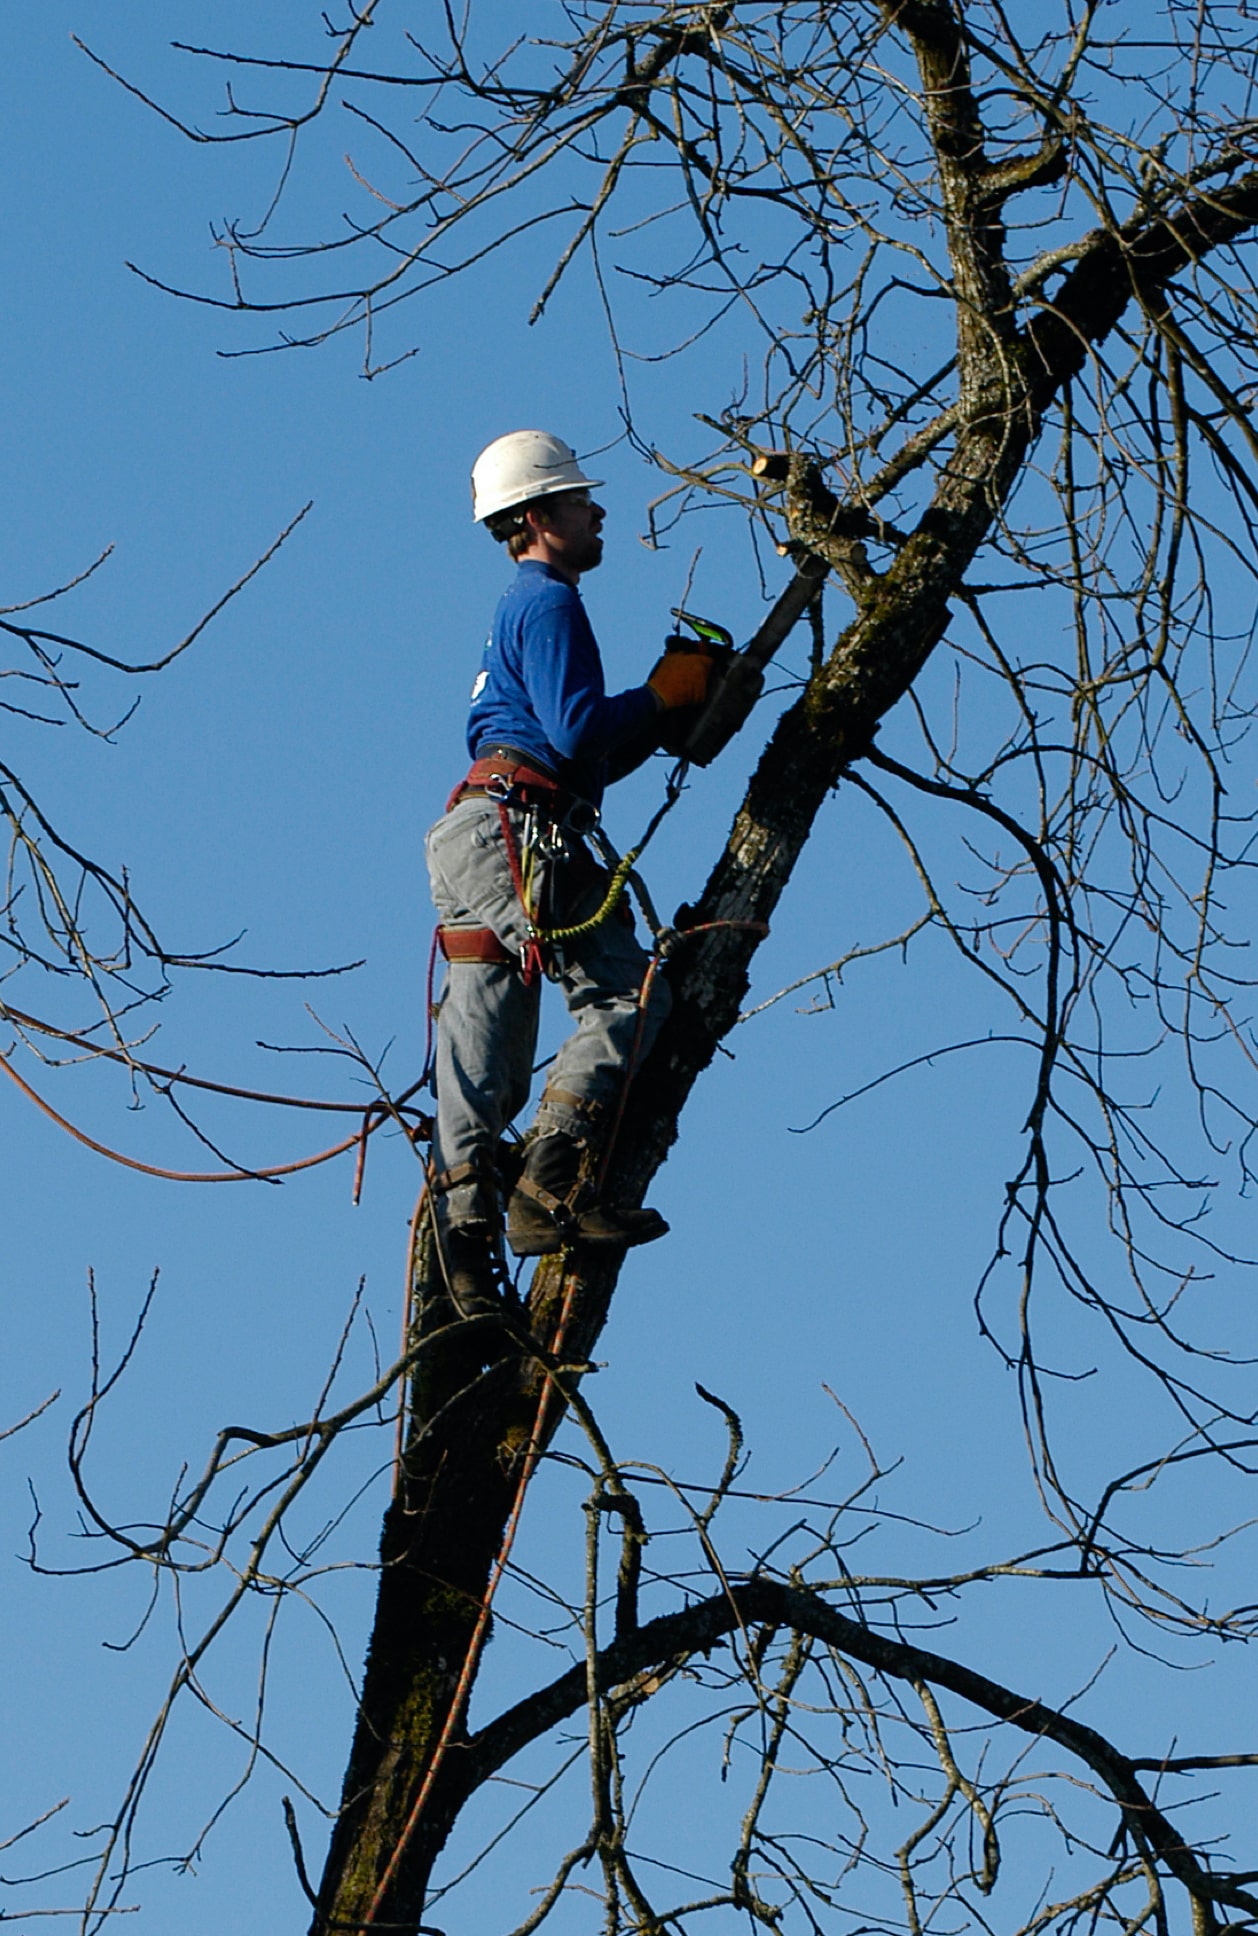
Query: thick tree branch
x=1130, y=263
x=673, y=1638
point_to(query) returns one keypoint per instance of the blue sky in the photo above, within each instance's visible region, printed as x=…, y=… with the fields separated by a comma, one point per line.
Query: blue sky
x=277, y=780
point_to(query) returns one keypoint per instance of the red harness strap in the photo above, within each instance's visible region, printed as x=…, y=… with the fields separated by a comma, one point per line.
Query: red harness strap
x=528, y=787
x=474, y=944
x=531, y=963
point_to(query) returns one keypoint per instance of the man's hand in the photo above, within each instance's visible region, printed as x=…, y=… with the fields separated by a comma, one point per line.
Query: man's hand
x=681, y=677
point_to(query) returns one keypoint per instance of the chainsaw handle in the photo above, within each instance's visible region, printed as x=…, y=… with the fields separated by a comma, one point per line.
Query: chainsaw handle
x=736, y=689
x=711, y=637
x=739, y=682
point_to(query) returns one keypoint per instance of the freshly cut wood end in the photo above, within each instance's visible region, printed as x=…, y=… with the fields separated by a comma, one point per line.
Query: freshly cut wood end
x=772, y=465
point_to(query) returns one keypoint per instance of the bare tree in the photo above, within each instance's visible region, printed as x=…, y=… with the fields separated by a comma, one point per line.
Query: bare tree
x=996, y=263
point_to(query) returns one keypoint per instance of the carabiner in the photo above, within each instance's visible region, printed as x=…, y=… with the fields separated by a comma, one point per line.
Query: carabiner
x=582, y=818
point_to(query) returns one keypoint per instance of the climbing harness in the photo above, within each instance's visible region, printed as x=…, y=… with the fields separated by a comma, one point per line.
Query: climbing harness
x=552, y=816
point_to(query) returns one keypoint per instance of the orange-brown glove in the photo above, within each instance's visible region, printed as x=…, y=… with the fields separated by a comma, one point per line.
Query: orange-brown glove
x=681, y=679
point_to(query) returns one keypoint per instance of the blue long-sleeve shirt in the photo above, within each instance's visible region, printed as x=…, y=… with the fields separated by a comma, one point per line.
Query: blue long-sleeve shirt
x=541, y=688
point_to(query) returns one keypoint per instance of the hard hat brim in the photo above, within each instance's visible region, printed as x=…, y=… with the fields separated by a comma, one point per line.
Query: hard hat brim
x=530, y=493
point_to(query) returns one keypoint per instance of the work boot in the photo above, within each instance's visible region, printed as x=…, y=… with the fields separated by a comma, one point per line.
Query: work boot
x=467, y=1238
x=554, y=1204
x=468, y=1271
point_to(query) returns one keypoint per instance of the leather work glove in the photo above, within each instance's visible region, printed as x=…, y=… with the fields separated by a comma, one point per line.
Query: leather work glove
x=681, y=677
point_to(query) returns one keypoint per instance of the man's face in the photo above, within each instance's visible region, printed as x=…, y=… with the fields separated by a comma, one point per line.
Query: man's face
x=571, y=523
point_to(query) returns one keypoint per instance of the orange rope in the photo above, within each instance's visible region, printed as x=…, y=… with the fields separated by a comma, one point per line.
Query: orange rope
x=644, y=995
x=408, y=1306
x=482, y=1620
x=178, y=1176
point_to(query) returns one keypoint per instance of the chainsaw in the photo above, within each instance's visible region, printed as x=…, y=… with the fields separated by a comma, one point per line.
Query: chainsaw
x=699, y=733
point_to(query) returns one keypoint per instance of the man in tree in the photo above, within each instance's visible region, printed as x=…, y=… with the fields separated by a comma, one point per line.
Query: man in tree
x=508, y=864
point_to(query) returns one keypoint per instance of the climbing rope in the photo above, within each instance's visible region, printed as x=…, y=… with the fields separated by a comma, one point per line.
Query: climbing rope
x=267, y=1174
x=373, y=1115
x=620, y=878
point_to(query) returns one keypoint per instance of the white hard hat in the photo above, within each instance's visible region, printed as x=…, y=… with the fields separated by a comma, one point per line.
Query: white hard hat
x=523, y=465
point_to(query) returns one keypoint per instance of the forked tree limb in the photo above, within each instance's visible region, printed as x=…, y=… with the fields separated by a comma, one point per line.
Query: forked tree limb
x=674, y=1638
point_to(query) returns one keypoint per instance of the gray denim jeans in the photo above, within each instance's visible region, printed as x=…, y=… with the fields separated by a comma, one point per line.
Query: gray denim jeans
x=487, y=1019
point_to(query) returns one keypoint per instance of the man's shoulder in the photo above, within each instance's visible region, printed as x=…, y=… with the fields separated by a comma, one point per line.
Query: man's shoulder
x=535, y=585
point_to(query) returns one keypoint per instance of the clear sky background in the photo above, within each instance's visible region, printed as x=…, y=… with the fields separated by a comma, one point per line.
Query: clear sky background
x=277, y=781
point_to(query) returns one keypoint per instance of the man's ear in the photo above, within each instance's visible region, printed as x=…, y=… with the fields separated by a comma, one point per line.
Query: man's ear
x=537, y=518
